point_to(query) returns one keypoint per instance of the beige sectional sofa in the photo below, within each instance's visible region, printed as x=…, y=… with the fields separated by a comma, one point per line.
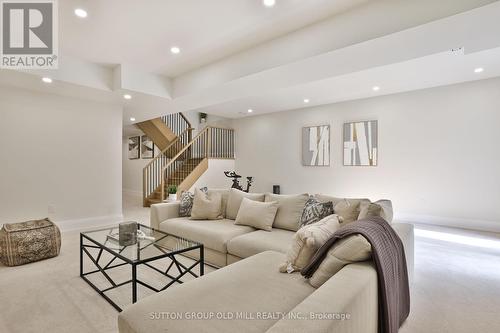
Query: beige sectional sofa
x=254, y=287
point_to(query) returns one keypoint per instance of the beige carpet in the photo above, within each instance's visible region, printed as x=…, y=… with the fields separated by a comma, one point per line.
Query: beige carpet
x=456, y=289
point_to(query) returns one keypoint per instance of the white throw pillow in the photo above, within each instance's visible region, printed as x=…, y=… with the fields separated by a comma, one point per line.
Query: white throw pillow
x=307, y=241
x=236, y=197
x=206, y=206
x=352, y=249
x=256, y=214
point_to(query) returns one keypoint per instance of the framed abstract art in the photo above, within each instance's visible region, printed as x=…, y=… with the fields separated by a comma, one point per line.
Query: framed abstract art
x=316, y=145
x=133, y=147
x=361, y=143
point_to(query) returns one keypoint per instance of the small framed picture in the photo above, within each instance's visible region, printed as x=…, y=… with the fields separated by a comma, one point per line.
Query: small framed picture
x=147, y=147
x=133, y=147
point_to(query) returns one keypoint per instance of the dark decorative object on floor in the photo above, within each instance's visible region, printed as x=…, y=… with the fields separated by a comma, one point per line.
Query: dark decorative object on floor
x=276, y=189
x=127, y=233
x=25, y=242
x=236, y=181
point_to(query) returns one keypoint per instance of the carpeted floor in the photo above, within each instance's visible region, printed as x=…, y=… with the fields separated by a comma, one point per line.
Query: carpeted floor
x=456, y=289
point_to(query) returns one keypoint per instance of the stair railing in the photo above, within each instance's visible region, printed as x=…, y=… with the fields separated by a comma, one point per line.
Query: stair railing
x=177, y=122
x=151, y=173
x=211, y=142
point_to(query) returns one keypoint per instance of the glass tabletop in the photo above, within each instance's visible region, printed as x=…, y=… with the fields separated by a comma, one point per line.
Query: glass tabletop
x=161, y=244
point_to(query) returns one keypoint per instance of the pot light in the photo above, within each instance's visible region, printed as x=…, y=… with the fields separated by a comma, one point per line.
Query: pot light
x=47, y=79
x=479, y=70
x=175, y=50
x=132, y=119
x=250, y=111
x=81, y=13
x=127, y=96
x=269, y=3
x=376, y=88
x=306, y=100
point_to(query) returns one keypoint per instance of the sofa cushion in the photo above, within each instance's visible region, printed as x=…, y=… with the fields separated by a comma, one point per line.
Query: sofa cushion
x=290, y=208
x=307, y=241
x=206, y=206
x=234, y=201
x=249, y=286
x=354, y=248
x=213, y=234
x=259, y=215
x=259, y=241
x=348, y=209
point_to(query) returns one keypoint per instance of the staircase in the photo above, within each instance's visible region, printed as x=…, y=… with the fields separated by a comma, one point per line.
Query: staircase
x=184, y=159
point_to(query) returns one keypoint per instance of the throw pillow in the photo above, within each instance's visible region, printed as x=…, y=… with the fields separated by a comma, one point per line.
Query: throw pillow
x=256, y=214
x=346, y=208
x=315, y=211
x=224, y=193
x=234, y=201
x=307, y=241
x=346, y=251
x=372, y=210
x=385, y=210
x=349, y=211
x=290, y=209
x=186, y=202
x=206, y=206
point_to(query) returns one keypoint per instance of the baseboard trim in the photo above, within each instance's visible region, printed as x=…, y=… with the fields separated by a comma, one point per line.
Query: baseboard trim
x=89, y=223
x=480, y=225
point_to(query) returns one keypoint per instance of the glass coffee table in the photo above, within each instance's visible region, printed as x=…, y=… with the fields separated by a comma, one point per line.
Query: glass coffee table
x=146, y=251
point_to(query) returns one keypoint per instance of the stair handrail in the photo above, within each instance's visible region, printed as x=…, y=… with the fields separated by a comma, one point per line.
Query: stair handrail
x=168, y=147
x=185, y=119
x=205, y=131
x=149, y=180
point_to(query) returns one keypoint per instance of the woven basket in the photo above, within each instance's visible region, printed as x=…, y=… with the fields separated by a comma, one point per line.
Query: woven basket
x=25, y=242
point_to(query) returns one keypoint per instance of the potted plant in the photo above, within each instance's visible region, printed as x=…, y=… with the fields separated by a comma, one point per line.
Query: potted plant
x=172, y=193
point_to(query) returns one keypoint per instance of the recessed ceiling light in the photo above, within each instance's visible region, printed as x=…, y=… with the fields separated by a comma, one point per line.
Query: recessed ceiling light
x=175, y=50
x=376, y=88
x=250, y=111
x=269, y=3
x=81, y=12
x=306, y=100
x=479, y=70
x=47, y=79
x=132, y=119
x=127, y=96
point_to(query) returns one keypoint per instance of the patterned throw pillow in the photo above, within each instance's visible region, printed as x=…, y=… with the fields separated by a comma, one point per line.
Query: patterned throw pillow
x=186, y=202
x=315, y=211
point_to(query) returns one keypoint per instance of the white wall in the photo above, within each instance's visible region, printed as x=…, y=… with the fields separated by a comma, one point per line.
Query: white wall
x=439, y=159
x=214, y=177
x=60, y=152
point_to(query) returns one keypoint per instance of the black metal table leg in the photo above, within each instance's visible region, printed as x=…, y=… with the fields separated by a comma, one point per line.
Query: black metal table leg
x=202, y=260
x=134, y=283
x=81, y=255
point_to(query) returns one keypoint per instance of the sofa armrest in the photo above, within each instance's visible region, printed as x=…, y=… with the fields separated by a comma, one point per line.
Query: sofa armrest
x=352, y=292
x=163, y=211
x=406, y=233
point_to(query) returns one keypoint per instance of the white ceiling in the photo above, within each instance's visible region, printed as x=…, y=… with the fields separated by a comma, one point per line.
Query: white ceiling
x=140, y=33
x=237, y=54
